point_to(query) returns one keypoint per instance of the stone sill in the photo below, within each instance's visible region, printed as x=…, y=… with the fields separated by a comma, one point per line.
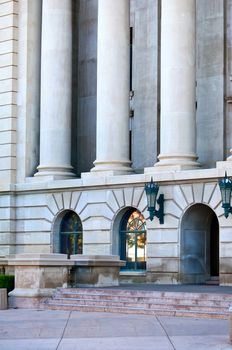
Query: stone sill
x=37, y=259
x=132, y=273
x=165, y=177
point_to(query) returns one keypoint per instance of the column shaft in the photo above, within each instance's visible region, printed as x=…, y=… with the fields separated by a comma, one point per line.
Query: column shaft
x=28, y=120
x=178, y=84
x=56, y=85
x=113, y=87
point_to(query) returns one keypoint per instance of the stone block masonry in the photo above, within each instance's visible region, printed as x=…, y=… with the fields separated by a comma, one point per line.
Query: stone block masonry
x=8, y=89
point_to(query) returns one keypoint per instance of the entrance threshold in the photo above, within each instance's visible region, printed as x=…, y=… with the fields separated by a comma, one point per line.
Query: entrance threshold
x=182, y=288
x=214, y=280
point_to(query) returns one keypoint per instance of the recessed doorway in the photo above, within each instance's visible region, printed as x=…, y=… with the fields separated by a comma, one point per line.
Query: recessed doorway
x=199, y=252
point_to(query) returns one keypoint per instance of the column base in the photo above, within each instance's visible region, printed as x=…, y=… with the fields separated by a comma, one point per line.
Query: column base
x=225, y=166
x=54, y=173
x=176, y=162
x=230, y=157
x=110, y=168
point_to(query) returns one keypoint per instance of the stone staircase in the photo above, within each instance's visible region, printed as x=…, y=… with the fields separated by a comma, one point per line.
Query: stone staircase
x=184, y=304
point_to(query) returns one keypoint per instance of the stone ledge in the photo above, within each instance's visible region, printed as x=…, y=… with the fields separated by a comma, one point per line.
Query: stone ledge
x=37, y=276
x=92, y=183
x=32, y=259
x=32, y=293
x=96, y=260
x=95, y=270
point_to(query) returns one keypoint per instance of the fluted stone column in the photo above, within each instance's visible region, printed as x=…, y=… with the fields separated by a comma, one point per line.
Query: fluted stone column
x=113, y=87
x=28, y=87
x=56, y=84
x=178, y=85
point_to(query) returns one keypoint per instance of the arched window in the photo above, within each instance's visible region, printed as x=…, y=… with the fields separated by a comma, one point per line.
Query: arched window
x=133, y=240
x=71, y=234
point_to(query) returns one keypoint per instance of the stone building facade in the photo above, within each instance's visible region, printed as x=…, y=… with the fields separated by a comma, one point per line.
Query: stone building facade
x=97, y=97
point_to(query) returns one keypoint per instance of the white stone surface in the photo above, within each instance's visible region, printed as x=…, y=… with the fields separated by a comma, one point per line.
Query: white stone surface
x=97, y=196
x=113, y=87
x=170, y=221
x=75, y=199
x=163, y=265
x=145, y=23
x=216, y=198
x=208, y=192
x=219, y=211
x=188, y=193
x=128, y=194
x=179, y=197
x=178, y=69
x=97, y=249
x=56, y=81
x=33, y=248
x=97, y=210
x=33, y=225
x=212, y=142
x=163, y=235
x=223, y=222
x=112, y=201
x=226, y=249
x=58, y=197
x=31, y=209
x=163, y=250
x=97, y=223
x=137, y=195
x=172, y=208
x=97, y=237
x=8, y=110
x=28, y=88
x=8, y=72
x=198, y=192
x=82, y=202
x=119, y=194
x=30, y=213
x=225, y=234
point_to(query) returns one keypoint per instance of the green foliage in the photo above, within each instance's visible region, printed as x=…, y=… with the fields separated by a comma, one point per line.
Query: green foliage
x=7, y=281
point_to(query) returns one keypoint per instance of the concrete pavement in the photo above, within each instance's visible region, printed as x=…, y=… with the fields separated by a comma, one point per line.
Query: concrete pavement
x=64, y=330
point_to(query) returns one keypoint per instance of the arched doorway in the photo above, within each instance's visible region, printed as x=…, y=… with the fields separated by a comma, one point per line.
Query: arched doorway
x=199, y=252
x=132, y=240
x=71, y=234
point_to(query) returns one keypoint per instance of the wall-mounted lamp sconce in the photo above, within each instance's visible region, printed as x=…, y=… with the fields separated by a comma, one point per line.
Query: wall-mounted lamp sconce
x=152, y=189
x=225, y=186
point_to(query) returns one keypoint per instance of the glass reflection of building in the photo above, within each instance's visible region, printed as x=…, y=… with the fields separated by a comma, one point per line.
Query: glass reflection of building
x=133, y=240
x=71, y=234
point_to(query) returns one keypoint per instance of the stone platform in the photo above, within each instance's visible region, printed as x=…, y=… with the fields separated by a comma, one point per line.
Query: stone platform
x=146, y=299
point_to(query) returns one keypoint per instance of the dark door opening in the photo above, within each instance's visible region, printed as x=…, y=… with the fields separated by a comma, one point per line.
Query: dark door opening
x=214, y=247
x=199, y=245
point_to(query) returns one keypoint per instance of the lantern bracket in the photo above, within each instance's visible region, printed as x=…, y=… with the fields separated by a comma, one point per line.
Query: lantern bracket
x=151, y=190
x=225, y=186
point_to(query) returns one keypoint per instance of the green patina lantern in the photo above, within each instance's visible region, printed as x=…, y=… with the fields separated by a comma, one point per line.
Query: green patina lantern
x=152, y=189
x=225, y=186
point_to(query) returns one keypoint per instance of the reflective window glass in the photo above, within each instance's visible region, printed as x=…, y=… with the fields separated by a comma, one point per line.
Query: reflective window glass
x=133, y=240
x=71, y=234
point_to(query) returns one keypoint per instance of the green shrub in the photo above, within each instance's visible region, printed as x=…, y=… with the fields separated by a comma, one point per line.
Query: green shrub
x=7, y=281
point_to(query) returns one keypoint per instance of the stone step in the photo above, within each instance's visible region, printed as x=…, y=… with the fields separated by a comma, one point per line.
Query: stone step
x=158, y=312
x=141, y=302
x=148, y=299
x=214, y=280
x=139, y=305
x=155, y=294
